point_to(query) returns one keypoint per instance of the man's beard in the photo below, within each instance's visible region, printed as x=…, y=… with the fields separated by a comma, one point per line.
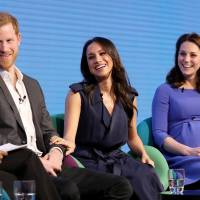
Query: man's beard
x=6, y=64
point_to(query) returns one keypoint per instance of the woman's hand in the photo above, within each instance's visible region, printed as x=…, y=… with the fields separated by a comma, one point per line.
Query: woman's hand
x=68, y=144
x=193, y=151
x=145, y=159
x=175, y=147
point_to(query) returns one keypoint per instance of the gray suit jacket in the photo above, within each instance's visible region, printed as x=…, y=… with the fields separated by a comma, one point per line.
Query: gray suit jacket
x=11, y=127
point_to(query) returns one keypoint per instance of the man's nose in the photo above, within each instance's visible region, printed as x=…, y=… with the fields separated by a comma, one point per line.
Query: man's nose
x=3, y=46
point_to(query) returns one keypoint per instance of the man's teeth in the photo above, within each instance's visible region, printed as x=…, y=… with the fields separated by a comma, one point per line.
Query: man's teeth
x=4, y=55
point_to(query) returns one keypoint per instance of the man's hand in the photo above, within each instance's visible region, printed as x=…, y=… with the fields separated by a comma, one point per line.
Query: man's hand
x=56, y=157
x=2, y=154
x=52, y=161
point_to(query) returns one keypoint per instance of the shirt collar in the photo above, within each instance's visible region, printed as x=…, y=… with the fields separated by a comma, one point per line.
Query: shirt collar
x=18, y=74
x=6, y=76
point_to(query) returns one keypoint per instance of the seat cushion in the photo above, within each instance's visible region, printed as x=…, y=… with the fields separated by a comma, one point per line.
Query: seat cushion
x=70, y=162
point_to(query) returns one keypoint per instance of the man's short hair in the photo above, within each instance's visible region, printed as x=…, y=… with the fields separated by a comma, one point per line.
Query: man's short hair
x=6, y=18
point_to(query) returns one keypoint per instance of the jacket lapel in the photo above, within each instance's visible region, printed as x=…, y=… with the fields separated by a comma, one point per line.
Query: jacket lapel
x=10, y=101
x=30, y=94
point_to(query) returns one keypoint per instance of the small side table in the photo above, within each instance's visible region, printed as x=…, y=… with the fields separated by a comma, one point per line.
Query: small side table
x=187, y=195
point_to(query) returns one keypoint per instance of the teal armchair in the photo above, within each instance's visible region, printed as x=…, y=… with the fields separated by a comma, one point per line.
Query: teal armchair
x=144, y=129
x=58, y=124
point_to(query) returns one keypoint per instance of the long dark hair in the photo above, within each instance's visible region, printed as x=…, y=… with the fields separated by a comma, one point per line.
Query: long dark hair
x=175, y=77
x=121, y=85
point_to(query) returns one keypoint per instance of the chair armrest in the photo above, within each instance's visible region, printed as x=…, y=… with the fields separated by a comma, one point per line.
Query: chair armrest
x=5, y=195
x=71, y=161
x=161, y=165
x=78, y=162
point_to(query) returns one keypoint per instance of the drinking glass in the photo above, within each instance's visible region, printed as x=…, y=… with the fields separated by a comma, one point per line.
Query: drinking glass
x=24, y=189
x=176, y=180
x=1, y=190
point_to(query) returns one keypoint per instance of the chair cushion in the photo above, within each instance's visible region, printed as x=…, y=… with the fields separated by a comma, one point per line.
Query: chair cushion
x=70, y=162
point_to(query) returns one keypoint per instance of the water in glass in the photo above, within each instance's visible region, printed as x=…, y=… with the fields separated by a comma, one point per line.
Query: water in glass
x=176, y=186
x=22, y=196
x=176, y=180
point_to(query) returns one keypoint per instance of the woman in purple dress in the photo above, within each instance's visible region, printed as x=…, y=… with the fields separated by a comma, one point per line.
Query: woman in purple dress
x=176, y=111
x=101, y=117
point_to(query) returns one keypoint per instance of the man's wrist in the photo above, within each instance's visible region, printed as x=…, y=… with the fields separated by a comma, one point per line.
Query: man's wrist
x=56, y=148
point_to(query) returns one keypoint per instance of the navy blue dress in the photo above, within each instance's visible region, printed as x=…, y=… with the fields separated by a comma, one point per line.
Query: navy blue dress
x=98, y=141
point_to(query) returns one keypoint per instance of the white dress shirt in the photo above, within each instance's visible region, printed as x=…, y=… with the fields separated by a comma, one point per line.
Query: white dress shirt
x=20, y=97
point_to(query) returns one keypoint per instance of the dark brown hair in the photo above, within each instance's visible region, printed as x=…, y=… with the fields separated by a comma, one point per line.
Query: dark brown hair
x=175, y=77
x=121, y=85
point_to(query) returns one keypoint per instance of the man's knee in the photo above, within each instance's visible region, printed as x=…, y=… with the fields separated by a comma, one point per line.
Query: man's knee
x=24, y=153
x=67, y=189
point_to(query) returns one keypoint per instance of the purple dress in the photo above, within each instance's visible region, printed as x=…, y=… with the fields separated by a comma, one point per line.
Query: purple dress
x=176, y=113
x=98, y=141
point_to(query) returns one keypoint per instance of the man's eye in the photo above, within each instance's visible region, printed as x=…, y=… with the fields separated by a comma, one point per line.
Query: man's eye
x=9, y=40
x=193, y=55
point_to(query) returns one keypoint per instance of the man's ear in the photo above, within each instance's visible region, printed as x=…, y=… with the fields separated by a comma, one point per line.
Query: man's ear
x=19, y=38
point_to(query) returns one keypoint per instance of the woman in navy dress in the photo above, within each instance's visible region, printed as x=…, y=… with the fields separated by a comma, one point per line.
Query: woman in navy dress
x=100, y=117
x=176, y=111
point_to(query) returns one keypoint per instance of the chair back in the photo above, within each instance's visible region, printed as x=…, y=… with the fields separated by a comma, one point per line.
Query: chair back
x=144, y=130
x=58, y=123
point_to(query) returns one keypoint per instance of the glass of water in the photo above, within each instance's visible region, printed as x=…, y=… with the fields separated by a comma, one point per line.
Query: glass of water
x=176, y=180
x=1, y=190
x=24, y=189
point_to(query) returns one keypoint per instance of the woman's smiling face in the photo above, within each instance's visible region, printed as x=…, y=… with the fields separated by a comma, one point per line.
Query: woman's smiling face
x=99, y=62
x=189, y=59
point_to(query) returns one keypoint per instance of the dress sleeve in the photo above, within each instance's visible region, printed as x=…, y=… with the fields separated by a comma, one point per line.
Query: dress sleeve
x=160, y=109
x=135, y=91
x=133, y=94
x=77, y=87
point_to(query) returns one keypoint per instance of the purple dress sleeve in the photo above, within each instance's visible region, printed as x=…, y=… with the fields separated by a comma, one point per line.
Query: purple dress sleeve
x=160, y=109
